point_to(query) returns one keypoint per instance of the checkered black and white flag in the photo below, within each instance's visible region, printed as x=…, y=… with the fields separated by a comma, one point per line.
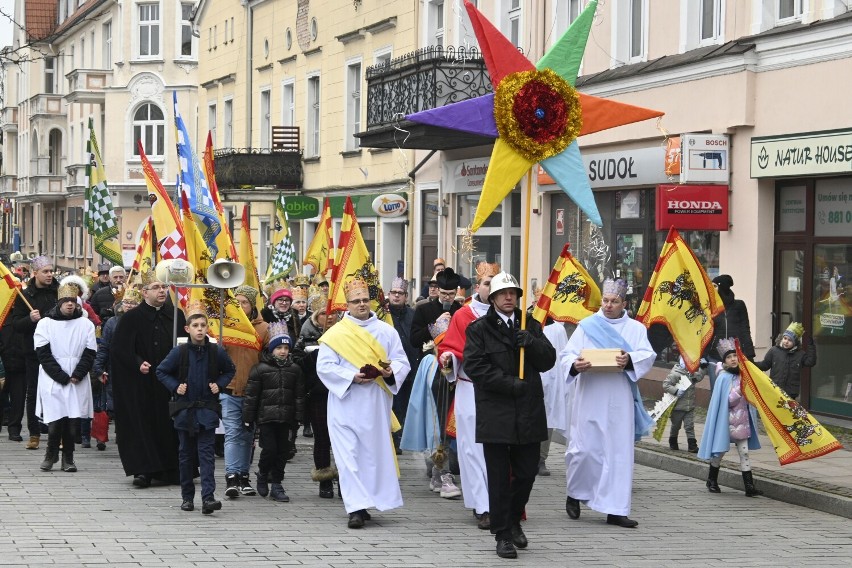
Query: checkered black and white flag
x=283, y=250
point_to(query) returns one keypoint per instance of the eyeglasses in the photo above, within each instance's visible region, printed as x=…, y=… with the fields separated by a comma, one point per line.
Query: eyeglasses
x=359, y=301
x=450, y=294
x=156, y=287
x=397, y=293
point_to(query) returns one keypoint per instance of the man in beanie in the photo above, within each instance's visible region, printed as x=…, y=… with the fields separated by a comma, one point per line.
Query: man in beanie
x=607, y=416
x=733, y=322
x=238, y=439
x=362, y=363
x=40, y=293
x=510, y=416
x=785, y=360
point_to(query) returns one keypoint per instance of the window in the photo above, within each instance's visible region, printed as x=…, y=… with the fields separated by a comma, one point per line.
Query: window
x=92, y=50
x=513, y=31
x=353, y=106
x=710, y=20
x=211, y=121
x=149, y=126
x=107, y=45
x=265, y=123
x=49, y=75
x=789, y=9
x=232, y=28
x=187, y=42
x=227, y=123
x=61, y=229
x=54, y=152
x=149, y=30
x=436, y=22
x=566, y=12
x=288, y=103
x=225, y=39
x=83, y=52
x=637, y=47
x=313, y=116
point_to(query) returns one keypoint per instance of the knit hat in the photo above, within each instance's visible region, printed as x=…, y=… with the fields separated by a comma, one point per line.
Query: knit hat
x=794, y=331
x=726, y=346
x=278, y=335
x=280, y=293
x=247, y=291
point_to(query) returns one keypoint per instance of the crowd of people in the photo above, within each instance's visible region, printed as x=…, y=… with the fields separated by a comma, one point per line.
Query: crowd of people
x=456, y=377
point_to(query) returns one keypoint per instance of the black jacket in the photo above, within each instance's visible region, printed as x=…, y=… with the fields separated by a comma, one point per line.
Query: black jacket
x=403, y=317
x=41, y=299
x=785, y=366
x=424, y=314
x=275, y=392
x=103, y=299
x=733, y=322
x=307, y=359
x=508, y=410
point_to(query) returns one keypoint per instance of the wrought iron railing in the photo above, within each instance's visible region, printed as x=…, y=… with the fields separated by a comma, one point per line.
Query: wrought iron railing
x=241, y=167
x=428, y=78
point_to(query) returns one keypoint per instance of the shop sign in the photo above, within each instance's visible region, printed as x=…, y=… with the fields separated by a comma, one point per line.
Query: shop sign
x=625, y=168
x=692, y=207
x=301, y=207
x=807, y=154
x=560, y=222
x=704, y=158
x=465, y=176
x=791, y=209
x=390, y=205
x=833, y=208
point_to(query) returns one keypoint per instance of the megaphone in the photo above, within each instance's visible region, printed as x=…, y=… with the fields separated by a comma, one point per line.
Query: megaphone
x=175, y=271
x=226, y=274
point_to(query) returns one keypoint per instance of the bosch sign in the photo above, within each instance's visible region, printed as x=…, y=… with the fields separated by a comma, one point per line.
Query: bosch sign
x=692, y=207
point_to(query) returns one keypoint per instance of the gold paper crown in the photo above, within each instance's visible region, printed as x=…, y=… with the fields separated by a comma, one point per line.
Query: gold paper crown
x=299, y=293
x=133, y=295
x=484, y=269
x=196, y=307
x=69, y=290
x=118, y=294
x=318, y=303
x=148, y=277
x=302, y=280
x=355, y=285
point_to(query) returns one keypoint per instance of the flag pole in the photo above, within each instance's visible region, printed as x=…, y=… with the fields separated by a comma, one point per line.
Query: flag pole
x=525, y=263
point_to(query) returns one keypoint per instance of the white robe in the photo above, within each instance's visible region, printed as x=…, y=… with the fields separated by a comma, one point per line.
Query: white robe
x=359, y=423
x=599, y=458
x=471, y=456
x=553, y=382
x=68, y=339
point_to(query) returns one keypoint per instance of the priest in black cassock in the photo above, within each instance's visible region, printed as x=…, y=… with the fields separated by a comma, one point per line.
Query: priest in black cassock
x=147, y=441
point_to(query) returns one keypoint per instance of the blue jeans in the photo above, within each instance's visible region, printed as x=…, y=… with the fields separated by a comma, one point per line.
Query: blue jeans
x=201, y=445
x=238, y=438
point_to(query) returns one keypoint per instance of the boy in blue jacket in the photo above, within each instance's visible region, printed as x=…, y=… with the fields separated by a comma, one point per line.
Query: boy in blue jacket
x=196, y=372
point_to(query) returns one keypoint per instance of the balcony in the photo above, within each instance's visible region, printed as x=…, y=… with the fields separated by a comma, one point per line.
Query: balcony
x=9, y=119
x=88, y=85
x=9, y=185
x=279, y=166
x=44, y=105
x=428, y=78
x=42, y=188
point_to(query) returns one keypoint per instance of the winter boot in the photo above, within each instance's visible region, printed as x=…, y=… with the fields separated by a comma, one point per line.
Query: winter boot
x=748, y=481
x=712, y=480
x=68, y=464
x=693, y=445
x=232, y=488
x=326, y=477
x=245, y=485
x=326, y=489
x=50, y=458
x=276, y=493
x=262, y=484
x=673, y=443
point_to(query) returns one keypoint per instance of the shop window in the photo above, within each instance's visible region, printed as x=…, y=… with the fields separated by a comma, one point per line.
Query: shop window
x=631, y=204
x=489, y=244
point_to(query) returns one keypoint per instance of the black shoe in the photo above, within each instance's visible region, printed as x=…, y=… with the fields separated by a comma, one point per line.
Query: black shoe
x=277, y=493
x=484, y=521
x=142, y=481
x=187, y=505
x=356, y=521
x=750, y=489
x=245, y=486
x=15, y=438
x=232, y=489
x=572, y=507
x=505, y=549
x=673, y=444
x=86, y=443
x=692, y=445
x=326, y=489
x=519, y=539
x=367, y=516
x=101, y=446
x=262, y=484
x=307, y=431
x=68, y=465
x=209, y=505
x=50, y=458
x=713, y=480
x=621, y=521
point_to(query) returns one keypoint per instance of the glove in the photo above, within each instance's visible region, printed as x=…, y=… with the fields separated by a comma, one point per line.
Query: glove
x=524, y=338
x=681, y=391
x=370, y=371
x=519, y=387
x=703, y=363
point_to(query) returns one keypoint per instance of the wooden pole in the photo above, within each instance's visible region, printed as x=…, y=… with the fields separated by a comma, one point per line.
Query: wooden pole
x=525, y=235
x=24, y=298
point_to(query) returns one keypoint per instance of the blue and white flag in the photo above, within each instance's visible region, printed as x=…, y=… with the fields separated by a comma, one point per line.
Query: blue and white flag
x=193, y=184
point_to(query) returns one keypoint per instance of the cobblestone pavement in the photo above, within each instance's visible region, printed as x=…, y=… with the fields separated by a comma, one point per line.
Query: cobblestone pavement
x=95, y=517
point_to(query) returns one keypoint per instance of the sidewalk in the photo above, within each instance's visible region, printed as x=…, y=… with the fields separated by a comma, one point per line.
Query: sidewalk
x=823, y=483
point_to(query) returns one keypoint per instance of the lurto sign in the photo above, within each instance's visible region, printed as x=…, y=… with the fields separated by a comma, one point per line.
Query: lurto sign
x=301, y=207
x=390, y=205
x=692, y=207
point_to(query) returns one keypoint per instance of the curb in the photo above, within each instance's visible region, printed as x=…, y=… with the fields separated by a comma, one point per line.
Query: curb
x=804, y=495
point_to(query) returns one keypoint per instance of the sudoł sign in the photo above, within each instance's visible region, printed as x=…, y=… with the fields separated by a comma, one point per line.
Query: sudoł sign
x=623, y=168
x=810, y=153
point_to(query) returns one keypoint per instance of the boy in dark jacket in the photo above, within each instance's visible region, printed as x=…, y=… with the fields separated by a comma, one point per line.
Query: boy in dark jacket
x=785, y=360
x=196, y=372
x=275, y=400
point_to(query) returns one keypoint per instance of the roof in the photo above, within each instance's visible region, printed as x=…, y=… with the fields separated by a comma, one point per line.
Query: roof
x=40, y=18
x=78, y=16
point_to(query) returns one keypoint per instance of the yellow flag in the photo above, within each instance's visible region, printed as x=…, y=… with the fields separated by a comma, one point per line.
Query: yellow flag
x=681, y=296
x=247, y=258
x=321, y=250
x=224, y=242
x=8, y=291
x=353, y=261
x=570, y=293
x=795, y=434
x=237, y=329
x=142, y=261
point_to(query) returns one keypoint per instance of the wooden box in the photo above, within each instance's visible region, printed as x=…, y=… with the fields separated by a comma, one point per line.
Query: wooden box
x=602, y=360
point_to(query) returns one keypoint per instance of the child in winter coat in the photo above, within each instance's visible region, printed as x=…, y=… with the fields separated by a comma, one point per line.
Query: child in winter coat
x=785, y=360
x=275, y=400
x=684, y=410
x=196, y=373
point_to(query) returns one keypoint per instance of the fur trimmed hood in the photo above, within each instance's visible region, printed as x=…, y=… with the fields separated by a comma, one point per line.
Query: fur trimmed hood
x=79, y=282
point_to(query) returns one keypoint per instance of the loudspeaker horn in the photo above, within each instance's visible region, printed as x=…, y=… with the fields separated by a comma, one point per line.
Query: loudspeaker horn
x=226, y=274
x=175, y=271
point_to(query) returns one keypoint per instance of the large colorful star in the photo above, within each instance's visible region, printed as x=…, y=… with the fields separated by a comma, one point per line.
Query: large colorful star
x=535, y=114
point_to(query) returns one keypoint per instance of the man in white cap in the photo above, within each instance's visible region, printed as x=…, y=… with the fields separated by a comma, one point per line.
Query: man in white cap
x=606, y=414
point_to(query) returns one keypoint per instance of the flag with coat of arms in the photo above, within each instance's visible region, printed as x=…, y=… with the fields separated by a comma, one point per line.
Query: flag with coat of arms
x=570, y=293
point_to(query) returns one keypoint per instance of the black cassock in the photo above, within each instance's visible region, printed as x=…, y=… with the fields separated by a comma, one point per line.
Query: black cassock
x=147, y=441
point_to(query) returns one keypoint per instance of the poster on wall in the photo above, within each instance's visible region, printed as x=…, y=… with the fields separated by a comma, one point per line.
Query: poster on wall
x=704, y=158
x=833, y=208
